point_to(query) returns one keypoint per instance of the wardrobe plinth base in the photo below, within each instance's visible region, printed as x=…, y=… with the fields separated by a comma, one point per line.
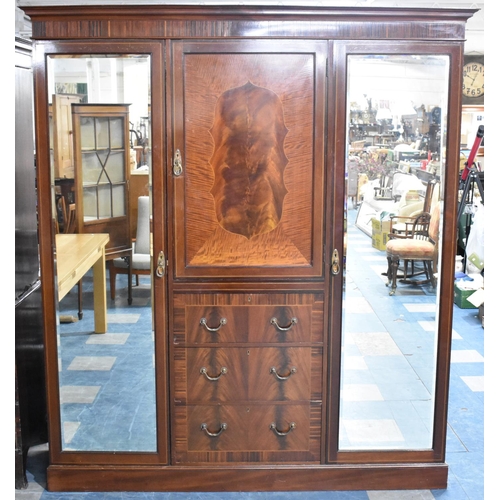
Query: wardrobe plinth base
x=84, y=478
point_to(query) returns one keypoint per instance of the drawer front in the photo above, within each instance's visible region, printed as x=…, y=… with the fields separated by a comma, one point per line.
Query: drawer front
x=247, y=433
x=232, y=374
x=248, y=318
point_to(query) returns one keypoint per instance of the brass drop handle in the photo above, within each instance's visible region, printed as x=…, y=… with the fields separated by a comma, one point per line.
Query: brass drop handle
x=160, y=265
x=283, y=433
x=177, y=163
x=283, y=377
x=204, y=427
x=222, y=322
x=203, y=371
x=335, y=262
x=293, y=321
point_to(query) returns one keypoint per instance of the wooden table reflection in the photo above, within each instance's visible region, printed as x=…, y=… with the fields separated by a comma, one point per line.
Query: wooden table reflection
x=75, y=255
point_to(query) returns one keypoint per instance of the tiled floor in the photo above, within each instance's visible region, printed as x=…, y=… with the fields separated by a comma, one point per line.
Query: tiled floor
x=107, y=381
x=388, y=345
x=381, y=332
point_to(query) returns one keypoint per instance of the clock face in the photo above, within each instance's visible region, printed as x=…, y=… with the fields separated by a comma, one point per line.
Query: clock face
x=473, y=84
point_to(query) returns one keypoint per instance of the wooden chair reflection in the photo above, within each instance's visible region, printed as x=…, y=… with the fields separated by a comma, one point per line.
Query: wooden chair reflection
x=412, y=210
x=401, y=224
x=419, y=243
x=140, y=260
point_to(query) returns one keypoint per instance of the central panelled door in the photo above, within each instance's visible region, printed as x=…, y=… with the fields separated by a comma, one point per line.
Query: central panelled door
x=248, y=199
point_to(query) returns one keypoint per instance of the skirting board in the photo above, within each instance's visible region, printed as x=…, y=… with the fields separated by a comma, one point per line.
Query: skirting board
x=86, y=478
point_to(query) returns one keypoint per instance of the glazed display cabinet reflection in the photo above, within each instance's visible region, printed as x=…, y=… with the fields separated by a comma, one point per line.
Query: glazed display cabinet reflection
x=102, y=171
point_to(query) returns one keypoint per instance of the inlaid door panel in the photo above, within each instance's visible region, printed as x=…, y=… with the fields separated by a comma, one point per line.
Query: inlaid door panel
x=248, y=140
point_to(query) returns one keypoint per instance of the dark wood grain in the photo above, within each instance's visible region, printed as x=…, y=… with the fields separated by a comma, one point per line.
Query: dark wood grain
x=265, y=385
x=248, y=376
x=248, y=437
x=231, y=386
x=248, y=160
x=248, y=317
x=263, y=382
x=303, y=477
x=243, y=21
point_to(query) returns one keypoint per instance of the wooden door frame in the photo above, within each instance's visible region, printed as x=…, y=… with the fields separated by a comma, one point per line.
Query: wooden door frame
x=337, y=155
x=157, y=51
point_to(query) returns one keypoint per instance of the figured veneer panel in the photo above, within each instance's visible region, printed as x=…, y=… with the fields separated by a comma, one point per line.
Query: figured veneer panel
x=233, y=438
x=303, y=385
x=291, y=380
x=229, y=386
x=248, y=324
x=230, y=323
x=248, y=160
x=248, y=397
x=248, y=318
x=208, y=80
x=249, y=428
x=291, y=430
x=293, y=324
x=248, y=375
x=248, y=436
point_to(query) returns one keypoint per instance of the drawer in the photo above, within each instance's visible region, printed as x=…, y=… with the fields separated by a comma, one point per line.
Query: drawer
x=248, y=318
x=232, y=374
x=249, y=428
x=230, y=324
x=247, y=433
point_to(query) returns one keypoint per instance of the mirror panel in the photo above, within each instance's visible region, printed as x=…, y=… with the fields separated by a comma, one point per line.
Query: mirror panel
x=396, y=130
x=106, y=380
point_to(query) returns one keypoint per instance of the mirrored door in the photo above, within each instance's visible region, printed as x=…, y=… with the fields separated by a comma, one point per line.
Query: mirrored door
x=396, y=110
x=101, y=172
